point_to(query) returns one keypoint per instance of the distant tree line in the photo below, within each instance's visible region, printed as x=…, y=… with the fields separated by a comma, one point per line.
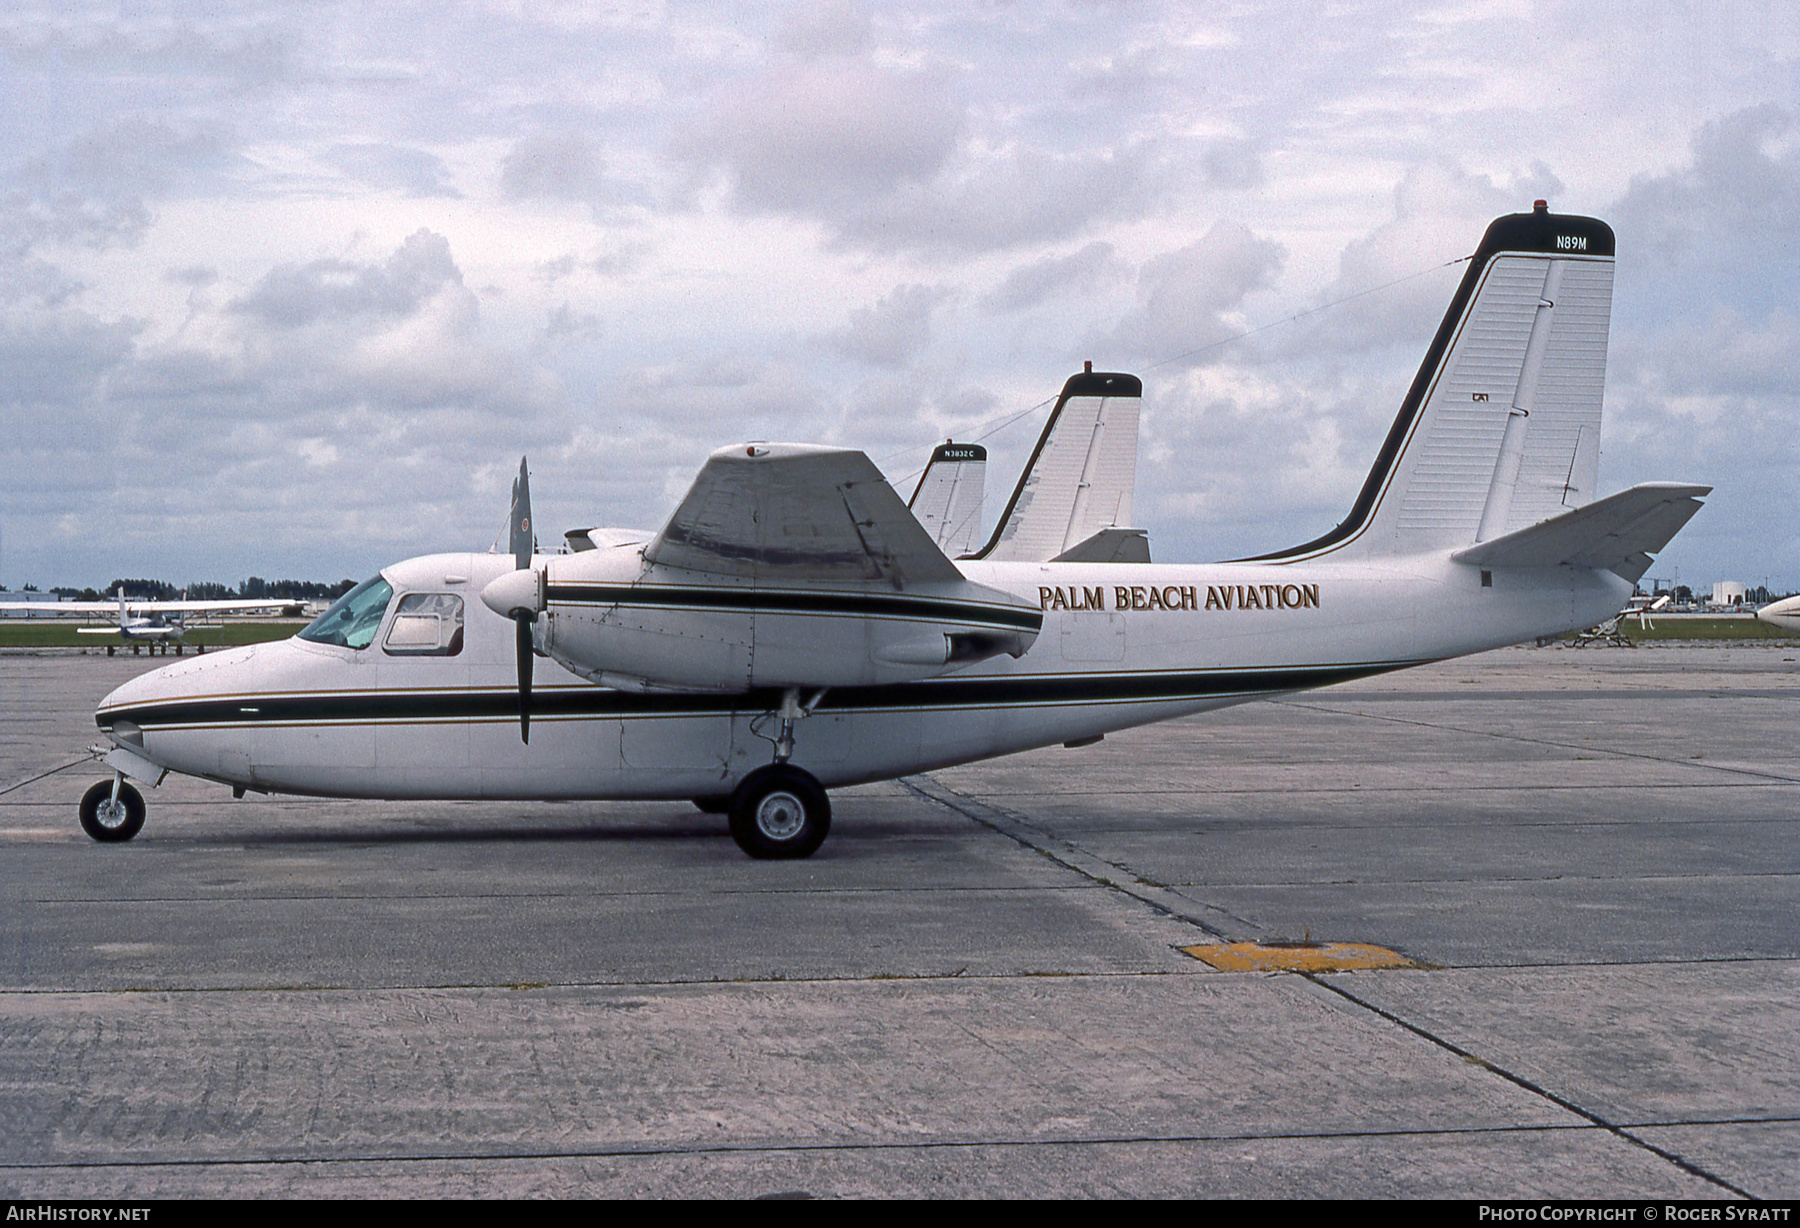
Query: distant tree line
x=254, y=589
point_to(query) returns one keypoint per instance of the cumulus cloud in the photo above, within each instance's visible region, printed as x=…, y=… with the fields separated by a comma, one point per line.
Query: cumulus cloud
x=1440, y=212
x=383, y=165
x=91, y=191
x=1723, y=225
x=1022, y=160
x=1702, y=384
x=833, y=27
x=564, y=166
x=132, y=158
x=292, y=296
x=892, y=331
x=1030, y=284
x=1183, y=295
x=821, y=135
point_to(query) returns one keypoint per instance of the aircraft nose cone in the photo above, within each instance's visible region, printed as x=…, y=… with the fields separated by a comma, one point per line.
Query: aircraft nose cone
x=516, y=590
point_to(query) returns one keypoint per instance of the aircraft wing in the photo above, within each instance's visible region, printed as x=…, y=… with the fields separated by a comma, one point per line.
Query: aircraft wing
x=1618, y=533
x=271, y=606
x=795, y=512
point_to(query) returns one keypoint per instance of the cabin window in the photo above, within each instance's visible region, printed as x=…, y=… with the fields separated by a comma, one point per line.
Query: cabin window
x=353, y=619
x=426, y=625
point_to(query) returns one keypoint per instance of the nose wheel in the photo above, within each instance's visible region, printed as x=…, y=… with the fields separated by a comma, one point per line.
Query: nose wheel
x=780, y=811
x=112, y=811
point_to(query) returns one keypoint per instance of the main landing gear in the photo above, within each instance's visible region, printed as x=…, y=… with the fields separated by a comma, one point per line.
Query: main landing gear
x=112, y=811
x=780, y=811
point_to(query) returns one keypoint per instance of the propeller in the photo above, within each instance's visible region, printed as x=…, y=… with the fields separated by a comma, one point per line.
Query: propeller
x=519, y=595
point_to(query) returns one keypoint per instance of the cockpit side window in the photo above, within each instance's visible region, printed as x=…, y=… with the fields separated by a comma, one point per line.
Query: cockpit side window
x=353, y=619
x=426, y=625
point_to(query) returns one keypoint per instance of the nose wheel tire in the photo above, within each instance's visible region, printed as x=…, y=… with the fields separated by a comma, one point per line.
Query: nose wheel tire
x=780, y=811
x=108, y=821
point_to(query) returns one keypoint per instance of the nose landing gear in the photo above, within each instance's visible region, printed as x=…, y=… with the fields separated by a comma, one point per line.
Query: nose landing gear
x=112, y=811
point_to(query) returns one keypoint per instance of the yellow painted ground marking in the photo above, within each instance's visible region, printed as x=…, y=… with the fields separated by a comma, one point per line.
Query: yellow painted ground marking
x=1296, y=957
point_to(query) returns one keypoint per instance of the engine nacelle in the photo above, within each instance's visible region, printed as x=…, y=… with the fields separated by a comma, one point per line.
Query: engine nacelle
x=730, y=638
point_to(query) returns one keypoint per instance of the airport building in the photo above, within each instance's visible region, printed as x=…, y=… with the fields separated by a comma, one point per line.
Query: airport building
x=1728, y=592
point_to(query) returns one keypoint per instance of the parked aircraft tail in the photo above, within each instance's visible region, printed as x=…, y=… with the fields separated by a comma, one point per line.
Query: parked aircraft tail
x=1081, y=476
x=1501, y=427
x=947, y=499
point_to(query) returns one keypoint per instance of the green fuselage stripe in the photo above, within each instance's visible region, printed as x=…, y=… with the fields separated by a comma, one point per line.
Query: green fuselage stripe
x=678, y=596
x=948, y=693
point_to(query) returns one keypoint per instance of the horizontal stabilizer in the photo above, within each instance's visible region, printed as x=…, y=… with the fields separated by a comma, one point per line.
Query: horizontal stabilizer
x=1618, y=533
x=1109, y=546
x=783, y=512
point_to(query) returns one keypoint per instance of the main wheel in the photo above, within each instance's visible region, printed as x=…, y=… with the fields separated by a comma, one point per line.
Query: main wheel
x=108, y=821
x=780, y=811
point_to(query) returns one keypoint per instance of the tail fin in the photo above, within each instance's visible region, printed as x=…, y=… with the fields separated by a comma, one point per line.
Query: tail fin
x=1081, y=476
x=1501, y=428
x=947, y=499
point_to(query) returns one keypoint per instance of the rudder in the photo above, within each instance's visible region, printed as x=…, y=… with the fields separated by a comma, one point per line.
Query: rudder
x=1501, y=427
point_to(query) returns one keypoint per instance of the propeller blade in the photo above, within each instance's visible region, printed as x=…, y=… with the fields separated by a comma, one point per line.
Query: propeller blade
x=521, y=540
x=523, y=621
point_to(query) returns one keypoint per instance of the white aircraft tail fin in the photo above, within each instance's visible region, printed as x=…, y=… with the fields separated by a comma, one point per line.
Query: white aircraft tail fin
x=1081, y=476
x=1501, y=428
x=947, y=499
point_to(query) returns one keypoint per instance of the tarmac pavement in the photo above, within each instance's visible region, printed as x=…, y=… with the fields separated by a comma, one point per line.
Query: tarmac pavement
x=977, y=986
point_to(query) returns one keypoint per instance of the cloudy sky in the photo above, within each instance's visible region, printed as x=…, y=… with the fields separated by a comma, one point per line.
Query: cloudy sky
x=287, y=289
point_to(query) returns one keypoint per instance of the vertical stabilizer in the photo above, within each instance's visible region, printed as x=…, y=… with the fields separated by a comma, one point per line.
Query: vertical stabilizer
x=1082, y=474
x=1501, y=428
x=947, y=500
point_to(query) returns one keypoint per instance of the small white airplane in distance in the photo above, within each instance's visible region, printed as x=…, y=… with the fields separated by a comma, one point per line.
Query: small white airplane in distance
x=151, y=621
x=793, y=627
x=1784, y=614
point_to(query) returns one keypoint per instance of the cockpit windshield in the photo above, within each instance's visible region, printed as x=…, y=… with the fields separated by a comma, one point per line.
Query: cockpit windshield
x=353, y=619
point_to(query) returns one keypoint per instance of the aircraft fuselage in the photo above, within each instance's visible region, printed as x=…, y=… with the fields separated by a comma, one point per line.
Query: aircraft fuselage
x=1121, y=645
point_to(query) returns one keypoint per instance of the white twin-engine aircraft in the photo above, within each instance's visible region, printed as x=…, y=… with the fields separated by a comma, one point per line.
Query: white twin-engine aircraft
x=794, y=627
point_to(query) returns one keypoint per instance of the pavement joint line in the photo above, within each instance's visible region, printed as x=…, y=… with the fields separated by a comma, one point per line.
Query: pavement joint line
x=1620, y=1131
x=1513, y=737
x=872, y=978
x=1494, y=880
x=813, y=893
x=960, y=976
x=1089, y=865
x=1776, y=783
x=627, y=1150
x=1610, y=696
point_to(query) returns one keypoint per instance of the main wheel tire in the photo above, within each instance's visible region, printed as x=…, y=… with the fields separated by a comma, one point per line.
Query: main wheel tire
x=108, y=821
x=780, y=811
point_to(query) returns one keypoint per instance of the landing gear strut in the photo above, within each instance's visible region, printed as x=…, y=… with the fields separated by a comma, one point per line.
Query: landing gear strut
x=790, y=711
x=780, y=811
x=112, y=811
